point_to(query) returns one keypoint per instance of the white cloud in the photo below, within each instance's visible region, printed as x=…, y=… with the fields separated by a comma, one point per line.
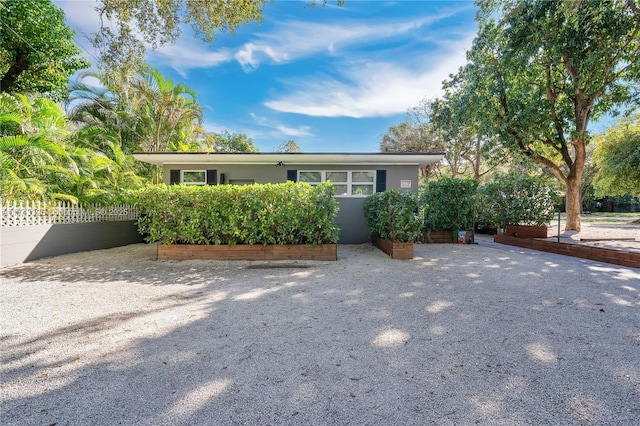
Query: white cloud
x=209, y=126
x=187, y=54
x=292, y=131
x=369, y=88
x=283, y=129
x=82, y=17
x=298, y=39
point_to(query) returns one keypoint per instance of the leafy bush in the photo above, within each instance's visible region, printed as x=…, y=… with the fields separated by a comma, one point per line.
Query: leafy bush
x=392, y=215
x=516, y=200
x=448, y=204
x=287, y=213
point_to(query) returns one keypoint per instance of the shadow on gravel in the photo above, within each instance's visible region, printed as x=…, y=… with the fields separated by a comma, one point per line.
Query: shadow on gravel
x=459, y=335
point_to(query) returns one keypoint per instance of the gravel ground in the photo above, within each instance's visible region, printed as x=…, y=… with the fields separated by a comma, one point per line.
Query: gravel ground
x=462, y=334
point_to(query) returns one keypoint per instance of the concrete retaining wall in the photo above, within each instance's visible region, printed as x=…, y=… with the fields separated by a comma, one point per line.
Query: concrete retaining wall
x=25, y=243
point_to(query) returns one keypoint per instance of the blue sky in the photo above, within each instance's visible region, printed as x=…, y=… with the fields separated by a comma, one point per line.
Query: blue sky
x=333, y=79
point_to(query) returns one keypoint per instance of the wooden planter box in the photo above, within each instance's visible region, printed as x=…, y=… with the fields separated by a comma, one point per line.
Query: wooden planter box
x=522, y=231
x=247, y=252
x=599, y=254
x=394, y=250
x=440, y=237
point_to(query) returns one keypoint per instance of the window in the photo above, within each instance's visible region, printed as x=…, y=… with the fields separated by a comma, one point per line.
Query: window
x=356, y=183
x=194, y=177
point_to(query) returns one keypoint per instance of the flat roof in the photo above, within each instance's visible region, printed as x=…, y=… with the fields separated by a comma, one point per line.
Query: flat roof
x=420, y=159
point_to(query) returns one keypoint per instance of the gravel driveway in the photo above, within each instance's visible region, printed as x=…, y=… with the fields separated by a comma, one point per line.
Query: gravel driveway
x=460, y=335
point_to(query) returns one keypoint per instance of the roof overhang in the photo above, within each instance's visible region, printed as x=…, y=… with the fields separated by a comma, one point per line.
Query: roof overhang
x=420, y=159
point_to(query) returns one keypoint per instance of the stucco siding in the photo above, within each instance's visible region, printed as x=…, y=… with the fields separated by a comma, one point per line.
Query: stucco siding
x=25, y=243
x=396, y=174
x=350, y=218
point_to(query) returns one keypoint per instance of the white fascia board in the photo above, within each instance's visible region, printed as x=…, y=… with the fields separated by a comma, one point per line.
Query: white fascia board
x=290, y=159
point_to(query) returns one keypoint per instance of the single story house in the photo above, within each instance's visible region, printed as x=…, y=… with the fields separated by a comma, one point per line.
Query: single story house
x=355, y=175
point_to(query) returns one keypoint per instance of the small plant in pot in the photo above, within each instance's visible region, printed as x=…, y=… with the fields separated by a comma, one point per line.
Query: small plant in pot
x=520, y=205
x=392, y=217
x=447, y=207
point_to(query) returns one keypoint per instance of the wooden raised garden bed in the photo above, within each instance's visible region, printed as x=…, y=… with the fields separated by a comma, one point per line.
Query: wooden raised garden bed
x=527, y=231
x=599, y=254
x=394, y=250
x=248, y=252
x=443, y=237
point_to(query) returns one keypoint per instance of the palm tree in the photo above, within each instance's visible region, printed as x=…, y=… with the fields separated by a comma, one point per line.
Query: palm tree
x=107, y=119
x=40, y=161
x=149, y=113
x=170, y=112
x=32, y=149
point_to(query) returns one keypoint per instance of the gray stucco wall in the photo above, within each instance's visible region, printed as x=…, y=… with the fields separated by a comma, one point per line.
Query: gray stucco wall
x=25, y=243
x=350, y=218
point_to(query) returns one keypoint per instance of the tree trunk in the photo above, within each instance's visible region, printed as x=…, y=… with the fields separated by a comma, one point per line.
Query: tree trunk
x=572, y=204
x=18, y=65
x=477, y=159
x=573, y=200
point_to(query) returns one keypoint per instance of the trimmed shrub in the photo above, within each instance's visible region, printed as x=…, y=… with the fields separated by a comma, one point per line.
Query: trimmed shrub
x=393, y=215
x=448, y=204
x=516, y=200
x=287, y=213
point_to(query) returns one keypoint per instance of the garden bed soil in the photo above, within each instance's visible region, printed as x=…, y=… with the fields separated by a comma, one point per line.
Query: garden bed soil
x=326, y=252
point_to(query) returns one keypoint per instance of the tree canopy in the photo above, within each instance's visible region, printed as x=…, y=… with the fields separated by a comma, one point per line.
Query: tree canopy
x=617, y=157
x=37, y=51
x=128, y=25
x=289, y=146
x=41, y=161
x=147, y=112
x=230, y=142
x=540, y=71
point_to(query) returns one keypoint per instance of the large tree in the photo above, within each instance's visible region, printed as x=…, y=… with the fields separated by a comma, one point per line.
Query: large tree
x=169, y=112
x=226, y=141
x=467, y=153
x=289, y=146
x=37, y=51
x=119, y=116
x=411, y=136
x=145, y=113
x=539, y=72
x=39, y=162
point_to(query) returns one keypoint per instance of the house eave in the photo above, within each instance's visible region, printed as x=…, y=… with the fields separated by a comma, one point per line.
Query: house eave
x=419, y=159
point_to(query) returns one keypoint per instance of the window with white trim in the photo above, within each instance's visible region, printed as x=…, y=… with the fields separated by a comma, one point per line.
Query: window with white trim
x=348, y=183
x=193, y=177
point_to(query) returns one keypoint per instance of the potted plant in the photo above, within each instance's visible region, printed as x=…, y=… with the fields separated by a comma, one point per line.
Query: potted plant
x=392, y=222
x=521, y=206
x=447, y=207
x=255, y=222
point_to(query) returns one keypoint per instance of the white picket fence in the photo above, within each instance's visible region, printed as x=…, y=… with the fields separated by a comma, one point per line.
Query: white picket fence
x=40, y=213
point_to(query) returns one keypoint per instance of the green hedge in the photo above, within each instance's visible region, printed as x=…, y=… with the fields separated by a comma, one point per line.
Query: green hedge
x=448, y=204
x=393, y=215
x=287, y=213
x=516, y=200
